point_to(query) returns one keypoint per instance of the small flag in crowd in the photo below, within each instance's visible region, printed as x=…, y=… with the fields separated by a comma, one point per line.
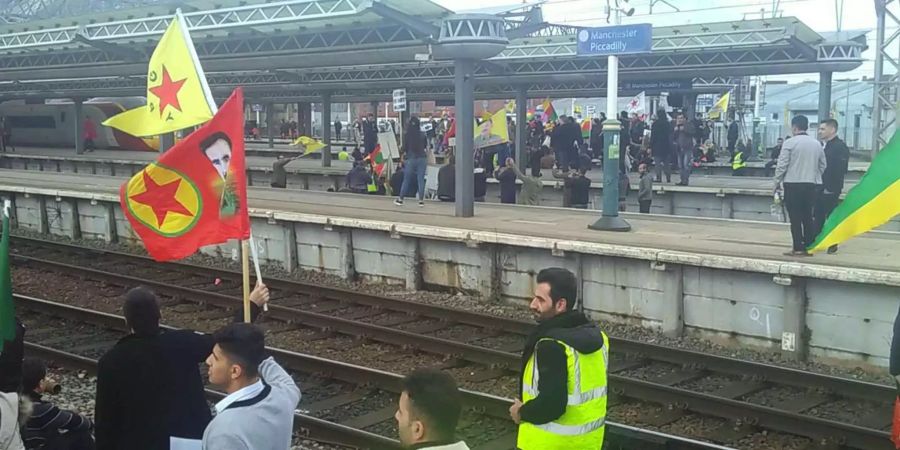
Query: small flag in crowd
x=308, y=144
x=196, y=193
x=178, y=95
x=638, y=104
x=871, y=203
x=549, y=114
x=720, y=109
x=7, y=310
x=376, y=158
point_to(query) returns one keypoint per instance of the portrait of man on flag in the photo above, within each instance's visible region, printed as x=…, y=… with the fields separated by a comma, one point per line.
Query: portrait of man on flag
x=217, y=149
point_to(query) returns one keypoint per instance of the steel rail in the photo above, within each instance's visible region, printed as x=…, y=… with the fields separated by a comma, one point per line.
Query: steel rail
x=488, y=404
x=770, y=375
x=763, y=372
x=374, y=332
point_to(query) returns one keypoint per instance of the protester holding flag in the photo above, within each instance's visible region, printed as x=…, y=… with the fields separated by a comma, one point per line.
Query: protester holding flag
x=837, y=156
x=12, y=349
x=258, y=412
x=149, y=388
x=871, y=203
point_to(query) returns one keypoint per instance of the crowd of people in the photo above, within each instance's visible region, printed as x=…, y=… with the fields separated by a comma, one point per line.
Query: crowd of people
x=151, y=395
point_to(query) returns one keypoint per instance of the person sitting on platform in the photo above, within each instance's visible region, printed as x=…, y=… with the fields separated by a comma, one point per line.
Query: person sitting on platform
x=774, y=153
x=428, y=411
x=580, y=188
x=48, y=427
x=506, y=176
x=358, y=178
x=531, y=185
x=279, y=174
x=447, y=181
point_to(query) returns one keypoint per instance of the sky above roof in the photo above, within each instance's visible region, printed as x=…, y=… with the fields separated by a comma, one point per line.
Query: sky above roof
x=820, y=15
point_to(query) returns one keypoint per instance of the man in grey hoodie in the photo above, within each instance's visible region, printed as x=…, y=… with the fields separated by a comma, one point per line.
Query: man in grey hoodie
x=258, y=413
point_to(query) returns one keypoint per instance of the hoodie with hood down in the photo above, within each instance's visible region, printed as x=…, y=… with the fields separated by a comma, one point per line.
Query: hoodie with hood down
x=578, y=332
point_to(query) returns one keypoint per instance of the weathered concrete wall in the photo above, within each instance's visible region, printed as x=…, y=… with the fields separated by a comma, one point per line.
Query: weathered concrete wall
x=789, y=307
x=732, y=303
x=851, y=319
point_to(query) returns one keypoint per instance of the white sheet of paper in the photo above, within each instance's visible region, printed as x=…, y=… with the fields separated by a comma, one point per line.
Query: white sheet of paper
x=176, y=443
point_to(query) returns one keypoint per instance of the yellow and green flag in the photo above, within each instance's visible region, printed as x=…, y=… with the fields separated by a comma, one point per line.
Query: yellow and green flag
x=178, y=95
x=7, y=310
x=308, y=144
x=870, y=204
x=720, y=109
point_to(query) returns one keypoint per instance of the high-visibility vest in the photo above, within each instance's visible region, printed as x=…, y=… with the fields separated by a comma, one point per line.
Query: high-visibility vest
x=738, y=162
x=582, y=425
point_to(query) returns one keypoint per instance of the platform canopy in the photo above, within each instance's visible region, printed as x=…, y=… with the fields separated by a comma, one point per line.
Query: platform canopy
x=360, y=50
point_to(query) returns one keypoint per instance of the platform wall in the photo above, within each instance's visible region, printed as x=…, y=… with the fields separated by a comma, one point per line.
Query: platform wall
x=784, y=307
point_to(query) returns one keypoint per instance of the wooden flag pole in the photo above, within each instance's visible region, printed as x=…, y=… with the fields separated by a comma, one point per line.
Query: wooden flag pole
x=245, y=267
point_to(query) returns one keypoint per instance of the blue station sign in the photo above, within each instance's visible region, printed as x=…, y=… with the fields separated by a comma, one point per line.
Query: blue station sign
x=617, y=40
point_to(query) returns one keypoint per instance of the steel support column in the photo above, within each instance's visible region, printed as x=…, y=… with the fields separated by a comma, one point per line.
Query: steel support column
x=824, y=96
x=887, y=73
x=521, y=133
x=270, y=124
x=609, y=219
x=79, y=126
x=166, y=141
x=464, y=84
x=326, y=129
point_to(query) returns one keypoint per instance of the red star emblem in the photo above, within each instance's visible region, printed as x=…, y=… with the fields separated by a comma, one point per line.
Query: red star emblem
x=168, y=91
x=161, y=198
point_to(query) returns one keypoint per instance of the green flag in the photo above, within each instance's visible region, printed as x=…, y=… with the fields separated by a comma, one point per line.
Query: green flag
x=7, y=311
x=872, y=202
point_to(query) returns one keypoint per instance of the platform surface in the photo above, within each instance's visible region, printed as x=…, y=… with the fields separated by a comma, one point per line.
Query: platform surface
x=699, y=183
x=757, y=240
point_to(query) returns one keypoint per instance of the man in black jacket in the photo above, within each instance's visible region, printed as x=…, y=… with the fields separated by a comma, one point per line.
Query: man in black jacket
x=733, y=135
x=563, y=336
x=370, y=133
x=837, y=156
x=148, y=385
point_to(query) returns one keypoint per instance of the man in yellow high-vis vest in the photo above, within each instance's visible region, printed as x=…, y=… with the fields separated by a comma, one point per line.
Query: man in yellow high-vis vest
x=564, y=368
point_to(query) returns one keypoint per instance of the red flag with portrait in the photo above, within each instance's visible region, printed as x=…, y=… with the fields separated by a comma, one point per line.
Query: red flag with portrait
x=195, y=194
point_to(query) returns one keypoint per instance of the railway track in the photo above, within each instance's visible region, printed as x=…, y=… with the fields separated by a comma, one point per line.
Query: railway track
x=484, y=352
x=342, y=403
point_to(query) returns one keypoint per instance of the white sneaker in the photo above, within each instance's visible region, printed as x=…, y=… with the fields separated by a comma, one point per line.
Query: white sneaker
x=421, y=203
x=398, y=202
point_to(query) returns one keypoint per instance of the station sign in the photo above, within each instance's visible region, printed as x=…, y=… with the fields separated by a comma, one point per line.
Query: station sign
x=257, y=107
x=399, y=100
x=656, y=87
x=616, y=40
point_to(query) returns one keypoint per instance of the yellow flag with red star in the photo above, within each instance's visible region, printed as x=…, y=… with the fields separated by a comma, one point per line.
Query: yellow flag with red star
x=178, y=95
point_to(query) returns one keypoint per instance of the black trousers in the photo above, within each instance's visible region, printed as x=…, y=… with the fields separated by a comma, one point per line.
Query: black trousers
x=81, y=440
x=645, y=206
x=800, y=201
x=825, y=204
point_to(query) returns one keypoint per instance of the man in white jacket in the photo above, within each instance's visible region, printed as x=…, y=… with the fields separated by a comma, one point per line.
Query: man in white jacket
x=258, y=413
x=428, y=411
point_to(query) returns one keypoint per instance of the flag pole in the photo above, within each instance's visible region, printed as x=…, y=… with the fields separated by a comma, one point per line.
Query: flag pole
x=245, y=268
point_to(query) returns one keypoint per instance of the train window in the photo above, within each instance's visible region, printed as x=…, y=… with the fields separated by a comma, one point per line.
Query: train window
x=32, y=122
x=62, y=116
